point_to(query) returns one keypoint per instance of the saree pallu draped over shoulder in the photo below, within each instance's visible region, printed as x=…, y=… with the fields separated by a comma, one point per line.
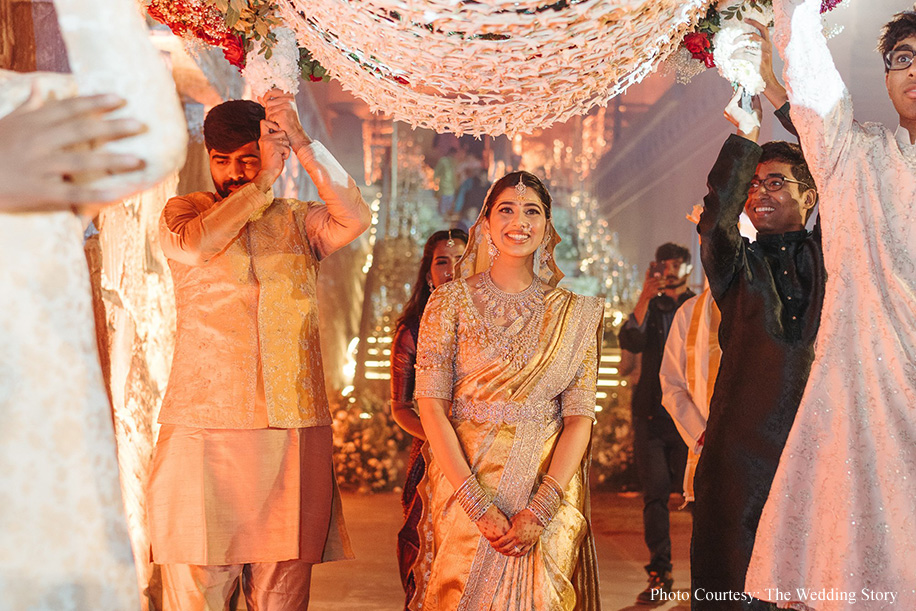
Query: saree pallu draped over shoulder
x=508, y=421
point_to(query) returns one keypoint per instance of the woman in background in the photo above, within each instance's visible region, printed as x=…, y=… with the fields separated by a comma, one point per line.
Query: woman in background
x=440, y=254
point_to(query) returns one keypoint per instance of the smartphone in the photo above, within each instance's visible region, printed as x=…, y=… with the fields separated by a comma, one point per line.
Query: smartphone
x=656, y=269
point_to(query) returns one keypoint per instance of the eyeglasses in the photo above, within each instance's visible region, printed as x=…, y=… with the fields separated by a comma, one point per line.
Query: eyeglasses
x=773, y=183
x=899, y=59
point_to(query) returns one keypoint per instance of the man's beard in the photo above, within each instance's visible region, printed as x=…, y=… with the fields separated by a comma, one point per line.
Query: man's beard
x=223, y=189
x=673, y=282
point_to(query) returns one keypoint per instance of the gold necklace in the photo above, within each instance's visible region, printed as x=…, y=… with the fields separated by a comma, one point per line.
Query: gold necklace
x=524, y=311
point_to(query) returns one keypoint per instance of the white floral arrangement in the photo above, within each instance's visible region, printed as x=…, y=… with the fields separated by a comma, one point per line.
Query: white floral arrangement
x=740, y=72
x=278, y=68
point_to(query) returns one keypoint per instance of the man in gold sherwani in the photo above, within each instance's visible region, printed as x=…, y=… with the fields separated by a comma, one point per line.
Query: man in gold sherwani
x=242, y=481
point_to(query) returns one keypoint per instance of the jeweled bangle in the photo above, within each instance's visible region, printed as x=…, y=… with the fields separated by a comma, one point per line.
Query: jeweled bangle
x=553, y=483
x=472, y=498
x=546, y=502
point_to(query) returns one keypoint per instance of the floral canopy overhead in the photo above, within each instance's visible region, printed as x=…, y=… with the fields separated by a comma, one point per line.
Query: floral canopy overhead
x=501, y=66
x=494, y=67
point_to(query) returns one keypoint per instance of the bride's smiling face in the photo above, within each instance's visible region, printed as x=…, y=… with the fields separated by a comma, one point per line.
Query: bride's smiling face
x=517, y=222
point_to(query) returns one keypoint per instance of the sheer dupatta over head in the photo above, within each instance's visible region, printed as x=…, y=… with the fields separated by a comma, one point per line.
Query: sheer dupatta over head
x=476, y=258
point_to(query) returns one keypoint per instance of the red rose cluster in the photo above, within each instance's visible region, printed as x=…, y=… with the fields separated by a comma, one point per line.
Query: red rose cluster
x=700, y=46
x=198, y=20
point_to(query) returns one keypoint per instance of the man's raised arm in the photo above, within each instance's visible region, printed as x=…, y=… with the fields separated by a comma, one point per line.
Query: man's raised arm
x=721, y=242
x=345, y=214
x=821, y=104
x=191, y=236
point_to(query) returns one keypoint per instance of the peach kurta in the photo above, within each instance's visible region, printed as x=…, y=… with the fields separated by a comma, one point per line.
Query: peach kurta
x=242, y=471
x=245, y=270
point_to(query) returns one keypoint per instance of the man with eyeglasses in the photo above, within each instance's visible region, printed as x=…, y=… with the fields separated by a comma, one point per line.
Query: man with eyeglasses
x=770, y=294
x=839, y=517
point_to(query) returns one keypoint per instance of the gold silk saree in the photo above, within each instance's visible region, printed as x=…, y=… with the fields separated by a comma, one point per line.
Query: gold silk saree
x=507, y=416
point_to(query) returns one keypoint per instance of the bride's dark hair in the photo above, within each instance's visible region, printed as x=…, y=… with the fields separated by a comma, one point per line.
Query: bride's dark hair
x=509, y=181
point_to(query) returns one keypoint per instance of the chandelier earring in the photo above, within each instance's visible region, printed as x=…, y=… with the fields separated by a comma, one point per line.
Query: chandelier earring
x=491, y=249
x=429, y=283
x=544, y=257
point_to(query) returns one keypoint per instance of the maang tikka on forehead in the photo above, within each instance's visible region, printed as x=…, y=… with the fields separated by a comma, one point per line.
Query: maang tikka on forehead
x=451, y=240
x=520, y=188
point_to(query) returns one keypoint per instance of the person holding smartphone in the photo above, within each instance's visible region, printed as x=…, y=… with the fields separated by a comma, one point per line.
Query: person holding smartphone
x=661, y=454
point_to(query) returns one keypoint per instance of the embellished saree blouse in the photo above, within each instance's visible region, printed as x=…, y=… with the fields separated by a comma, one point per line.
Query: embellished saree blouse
x=456, y=360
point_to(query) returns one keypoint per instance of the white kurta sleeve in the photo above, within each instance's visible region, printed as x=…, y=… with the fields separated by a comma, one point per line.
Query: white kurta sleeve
x=344, y=215
x=821, y=103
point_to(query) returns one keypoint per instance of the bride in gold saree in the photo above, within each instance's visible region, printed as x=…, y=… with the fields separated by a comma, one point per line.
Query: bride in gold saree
x=506, y=374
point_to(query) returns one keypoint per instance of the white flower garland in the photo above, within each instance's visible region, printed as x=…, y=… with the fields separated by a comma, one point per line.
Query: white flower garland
x=740, y=72
x=281, y=71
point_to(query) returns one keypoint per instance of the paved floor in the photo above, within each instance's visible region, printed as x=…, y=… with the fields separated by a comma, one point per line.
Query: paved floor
x=371, y=582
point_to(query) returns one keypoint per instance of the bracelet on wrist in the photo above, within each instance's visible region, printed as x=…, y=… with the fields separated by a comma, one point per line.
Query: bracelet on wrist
x=546, y=501
x=553, y=483
x=472, y=498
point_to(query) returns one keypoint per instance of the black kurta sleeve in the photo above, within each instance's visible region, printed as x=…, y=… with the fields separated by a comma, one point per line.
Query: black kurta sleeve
x=632, y=337
x=783, y=114
x=722, y=245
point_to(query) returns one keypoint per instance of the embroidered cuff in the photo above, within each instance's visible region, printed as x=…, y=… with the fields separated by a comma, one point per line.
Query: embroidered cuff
x=257, y=200
x=433, y=384
x=578, y=402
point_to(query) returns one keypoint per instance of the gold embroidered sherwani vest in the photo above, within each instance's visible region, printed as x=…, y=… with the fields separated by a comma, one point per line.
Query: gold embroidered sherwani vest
x=252, y=305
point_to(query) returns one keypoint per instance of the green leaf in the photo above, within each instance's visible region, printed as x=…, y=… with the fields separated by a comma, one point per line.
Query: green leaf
x=232, y=17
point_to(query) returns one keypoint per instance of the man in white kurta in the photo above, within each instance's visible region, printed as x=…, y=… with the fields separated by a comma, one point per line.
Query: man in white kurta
x=64, y=542
x=688, y=374
x=839, y=519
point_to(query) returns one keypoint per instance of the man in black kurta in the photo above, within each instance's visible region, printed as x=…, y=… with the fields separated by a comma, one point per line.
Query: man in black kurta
x=659, y=451
x=770, y=294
